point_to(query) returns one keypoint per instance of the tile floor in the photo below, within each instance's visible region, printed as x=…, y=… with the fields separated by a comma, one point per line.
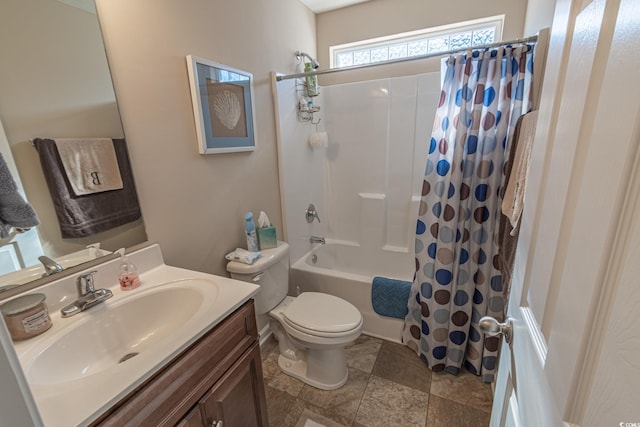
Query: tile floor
x=388, y=386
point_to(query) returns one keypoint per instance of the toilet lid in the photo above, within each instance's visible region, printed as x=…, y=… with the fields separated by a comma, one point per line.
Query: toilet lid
x=323, y=313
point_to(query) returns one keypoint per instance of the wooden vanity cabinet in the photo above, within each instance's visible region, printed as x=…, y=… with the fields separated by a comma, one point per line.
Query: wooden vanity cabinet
x=233, y=397
x=218, y=378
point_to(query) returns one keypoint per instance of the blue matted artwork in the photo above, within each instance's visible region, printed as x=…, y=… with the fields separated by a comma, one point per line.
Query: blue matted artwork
x=222, y=99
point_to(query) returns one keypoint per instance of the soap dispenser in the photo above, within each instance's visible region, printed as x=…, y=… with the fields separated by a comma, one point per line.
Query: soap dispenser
x=128, y=277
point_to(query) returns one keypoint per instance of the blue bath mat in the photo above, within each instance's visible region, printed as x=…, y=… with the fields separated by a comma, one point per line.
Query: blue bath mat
x=390, y=296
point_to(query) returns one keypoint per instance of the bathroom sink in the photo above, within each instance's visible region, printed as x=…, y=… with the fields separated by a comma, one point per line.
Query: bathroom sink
x=85, y=364
x=120, y=331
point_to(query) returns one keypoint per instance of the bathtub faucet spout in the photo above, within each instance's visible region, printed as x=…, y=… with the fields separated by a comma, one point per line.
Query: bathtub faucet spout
x=316, y=239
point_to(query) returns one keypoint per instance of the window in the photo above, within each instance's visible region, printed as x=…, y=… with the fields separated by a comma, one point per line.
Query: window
x=417, y=43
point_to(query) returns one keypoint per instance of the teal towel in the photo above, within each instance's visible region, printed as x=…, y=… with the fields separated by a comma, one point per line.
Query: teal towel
x=390, y=297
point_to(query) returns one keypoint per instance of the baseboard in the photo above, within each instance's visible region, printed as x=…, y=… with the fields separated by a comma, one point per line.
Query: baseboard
x=264, y=334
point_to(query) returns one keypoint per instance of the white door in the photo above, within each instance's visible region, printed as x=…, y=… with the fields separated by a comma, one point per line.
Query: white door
x=574, y=282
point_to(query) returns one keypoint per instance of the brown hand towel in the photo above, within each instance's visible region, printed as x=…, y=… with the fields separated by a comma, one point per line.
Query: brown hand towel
x=516, y=170
x=513, y=201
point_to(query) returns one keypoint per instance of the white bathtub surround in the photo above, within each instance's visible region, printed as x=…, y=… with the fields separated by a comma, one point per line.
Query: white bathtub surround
x=78, y=399
x=302, y=170
x=372, y=221
x=376, y=156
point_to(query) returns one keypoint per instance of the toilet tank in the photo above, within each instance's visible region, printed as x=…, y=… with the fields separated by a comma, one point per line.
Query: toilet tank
x=270, y=271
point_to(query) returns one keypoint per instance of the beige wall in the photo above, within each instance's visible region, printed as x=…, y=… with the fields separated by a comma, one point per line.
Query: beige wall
x=194, y=204
x=539, y=15
x=385, y=17
x=55, y=82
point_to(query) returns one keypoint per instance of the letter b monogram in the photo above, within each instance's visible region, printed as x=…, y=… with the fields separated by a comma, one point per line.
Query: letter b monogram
x=95, y=179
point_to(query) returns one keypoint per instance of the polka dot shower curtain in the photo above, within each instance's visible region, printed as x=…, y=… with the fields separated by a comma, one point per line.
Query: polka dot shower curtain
x=457, y=280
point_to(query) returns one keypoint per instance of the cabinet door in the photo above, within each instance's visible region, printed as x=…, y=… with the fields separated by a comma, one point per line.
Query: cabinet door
x=192, y=419
x=238, y=399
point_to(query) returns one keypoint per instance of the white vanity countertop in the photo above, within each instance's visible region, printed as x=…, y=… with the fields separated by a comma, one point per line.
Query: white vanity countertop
x=81, y=400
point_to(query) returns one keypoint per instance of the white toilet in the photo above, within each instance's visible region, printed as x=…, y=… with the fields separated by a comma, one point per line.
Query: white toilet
x=312, y=329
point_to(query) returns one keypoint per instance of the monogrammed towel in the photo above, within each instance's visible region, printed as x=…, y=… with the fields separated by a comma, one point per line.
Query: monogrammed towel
x=81, y=216
x=90, y=164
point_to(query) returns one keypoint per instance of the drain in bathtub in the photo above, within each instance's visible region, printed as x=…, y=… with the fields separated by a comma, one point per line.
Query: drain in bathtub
x=127, y=357
x=314, y=258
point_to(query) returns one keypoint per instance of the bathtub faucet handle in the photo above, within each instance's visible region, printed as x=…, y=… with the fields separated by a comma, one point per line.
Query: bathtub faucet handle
x=311, y=213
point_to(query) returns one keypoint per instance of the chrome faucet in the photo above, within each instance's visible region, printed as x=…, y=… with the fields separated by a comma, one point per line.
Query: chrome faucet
x=87, y=296
x=310, y=214
x=316, y=239
x=50, y=266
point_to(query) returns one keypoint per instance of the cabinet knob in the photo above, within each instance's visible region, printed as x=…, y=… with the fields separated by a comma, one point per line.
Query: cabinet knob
x=215, y=423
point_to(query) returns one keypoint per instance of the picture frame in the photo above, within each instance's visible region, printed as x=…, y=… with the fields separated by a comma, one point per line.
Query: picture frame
x=223, y=106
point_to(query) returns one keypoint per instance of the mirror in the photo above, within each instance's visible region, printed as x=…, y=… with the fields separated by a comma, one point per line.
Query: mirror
x=55, y=82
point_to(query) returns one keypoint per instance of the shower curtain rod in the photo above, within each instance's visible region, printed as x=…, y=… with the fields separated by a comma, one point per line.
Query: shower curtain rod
x=399, y=60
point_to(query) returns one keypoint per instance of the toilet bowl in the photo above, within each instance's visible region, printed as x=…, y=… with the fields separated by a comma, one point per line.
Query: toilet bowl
x=321, y=326
x=312, y=329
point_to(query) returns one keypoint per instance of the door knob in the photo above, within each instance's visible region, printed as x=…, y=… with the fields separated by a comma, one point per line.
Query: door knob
x=490, y=326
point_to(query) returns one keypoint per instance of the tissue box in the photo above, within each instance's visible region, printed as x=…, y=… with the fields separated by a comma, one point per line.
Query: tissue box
x=267, y=238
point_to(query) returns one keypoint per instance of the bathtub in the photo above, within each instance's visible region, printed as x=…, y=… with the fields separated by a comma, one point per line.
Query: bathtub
x=347, y=271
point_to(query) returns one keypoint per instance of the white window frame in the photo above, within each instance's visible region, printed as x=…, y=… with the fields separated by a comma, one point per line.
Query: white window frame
x=427, y=33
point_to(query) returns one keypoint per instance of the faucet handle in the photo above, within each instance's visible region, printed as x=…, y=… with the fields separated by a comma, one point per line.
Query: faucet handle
x=311, y=213
x=85, y=283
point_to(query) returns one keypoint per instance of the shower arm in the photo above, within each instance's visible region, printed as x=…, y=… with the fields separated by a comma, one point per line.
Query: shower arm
x=315, y=64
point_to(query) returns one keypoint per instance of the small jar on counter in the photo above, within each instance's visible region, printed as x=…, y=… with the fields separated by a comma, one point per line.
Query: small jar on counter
x=26, y=316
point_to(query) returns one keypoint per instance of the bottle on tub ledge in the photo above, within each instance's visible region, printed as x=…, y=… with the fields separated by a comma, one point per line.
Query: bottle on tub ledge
x=128, y=277
x=250, y=232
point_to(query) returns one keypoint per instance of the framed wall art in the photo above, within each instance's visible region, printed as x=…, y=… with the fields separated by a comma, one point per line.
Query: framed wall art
x=222, y=99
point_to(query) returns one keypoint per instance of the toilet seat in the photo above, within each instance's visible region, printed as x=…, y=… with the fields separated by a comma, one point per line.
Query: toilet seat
x=322, y=315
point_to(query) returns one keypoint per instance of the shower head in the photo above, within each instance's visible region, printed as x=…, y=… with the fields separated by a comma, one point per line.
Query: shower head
x=315, y=64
